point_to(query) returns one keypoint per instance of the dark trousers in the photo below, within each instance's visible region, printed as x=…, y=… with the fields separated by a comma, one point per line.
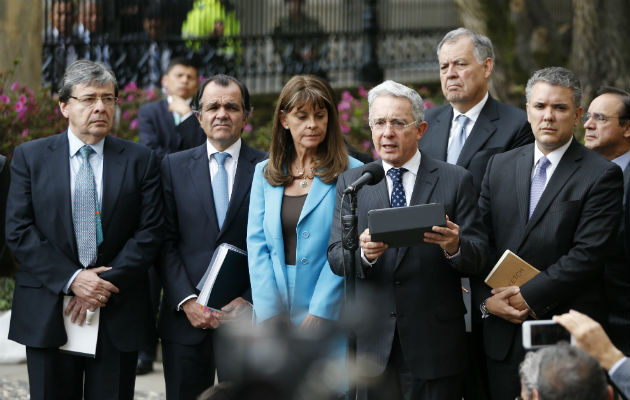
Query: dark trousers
x=398, y=383
x=503, y=375
x=476, y=375
x=188, y=370
x=148, y=351
x=55, y=375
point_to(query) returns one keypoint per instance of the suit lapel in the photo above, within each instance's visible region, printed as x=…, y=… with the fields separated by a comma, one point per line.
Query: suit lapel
x=58, y=159
x=522, y=174
x=168, y=122
x=481, y=132
x=199, y=169
x=569, y=165
x=315, y=195
x=242, y=182
x=114, y=166
x=437, y=143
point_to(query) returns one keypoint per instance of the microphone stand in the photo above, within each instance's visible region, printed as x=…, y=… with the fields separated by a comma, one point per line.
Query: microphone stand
x=350, y=244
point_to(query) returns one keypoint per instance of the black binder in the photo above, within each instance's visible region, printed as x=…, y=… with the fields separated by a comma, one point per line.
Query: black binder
x=405, y=226
x=226, y=278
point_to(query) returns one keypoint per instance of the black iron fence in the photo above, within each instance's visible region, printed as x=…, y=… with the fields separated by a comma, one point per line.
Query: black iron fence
x=262, y=42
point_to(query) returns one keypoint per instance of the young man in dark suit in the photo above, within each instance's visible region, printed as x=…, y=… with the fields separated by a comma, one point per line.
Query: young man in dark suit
x=557, y=205
x=84, y=219
x=168, y=125
x=200, y=215
x=414, y=326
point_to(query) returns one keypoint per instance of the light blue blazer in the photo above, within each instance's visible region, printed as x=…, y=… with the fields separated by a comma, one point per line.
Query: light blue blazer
x=317, y=290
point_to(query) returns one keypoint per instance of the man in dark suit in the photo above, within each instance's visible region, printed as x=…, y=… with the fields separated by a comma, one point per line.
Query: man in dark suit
x=607, y=132
x=196, y=223
x=415, y=339
x=84, y=219
x=466, y=63
x=168, y=125
x=555, y=204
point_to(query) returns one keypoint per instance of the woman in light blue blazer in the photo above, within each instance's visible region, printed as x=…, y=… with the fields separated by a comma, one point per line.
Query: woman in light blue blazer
x=291, y=209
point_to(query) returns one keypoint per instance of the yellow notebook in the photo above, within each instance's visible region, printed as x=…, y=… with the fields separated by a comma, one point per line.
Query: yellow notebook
x=510, y=270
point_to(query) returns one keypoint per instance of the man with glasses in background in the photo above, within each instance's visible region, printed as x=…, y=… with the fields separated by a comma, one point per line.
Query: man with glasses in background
x=84, y=218
x=413, y=332
x=607, y=131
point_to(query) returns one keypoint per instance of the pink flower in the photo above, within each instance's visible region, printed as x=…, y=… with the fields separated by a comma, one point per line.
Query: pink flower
x=133, y=124
x=20, y=107
x=130, y=97
x=247, y=128
x=15, y=86
x=345, y=129
x=345, y=95
x=126, y=114
x=366, y=144
x=375, y=154
x=22, y=99
x=343, y=105
x=5, y=99
x=428, y=104
x=201, y=78
x=344, y=116
x=424, y=90
x=131, y=86
x=151, y=94
x=362, y=91
x=24, y=133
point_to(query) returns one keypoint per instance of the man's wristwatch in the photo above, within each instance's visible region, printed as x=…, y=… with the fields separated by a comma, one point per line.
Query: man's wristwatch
x=484, y=310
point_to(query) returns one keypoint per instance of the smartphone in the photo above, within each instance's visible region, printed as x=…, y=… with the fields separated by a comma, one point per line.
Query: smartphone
x=545, y=332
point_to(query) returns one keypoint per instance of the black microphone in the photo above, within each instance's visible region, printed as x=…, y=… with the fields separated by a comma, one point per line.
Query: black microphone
x=372, y=174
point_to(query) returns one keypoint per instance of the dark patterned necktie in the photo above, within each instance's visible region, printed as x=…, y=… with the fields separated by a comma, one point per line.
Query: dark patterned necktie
x=398, y=191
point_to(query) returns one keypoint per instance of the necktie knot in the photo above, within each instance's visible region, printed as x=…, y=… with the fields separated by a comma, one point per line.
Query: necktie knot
x=543, y=163
x=85, y=152
x=396, y=174
x=462, y=120
x=458, y=140
x=220, y=157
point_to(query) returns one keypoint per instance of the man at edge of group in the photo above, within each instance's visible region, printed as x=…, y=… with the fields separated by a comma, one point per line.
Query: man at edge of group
x=84, y=218
x=607, y=132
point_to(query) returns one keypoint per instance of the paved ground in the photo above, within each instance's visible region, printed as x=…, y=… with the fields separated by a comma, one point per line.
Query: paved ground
x=14, y=383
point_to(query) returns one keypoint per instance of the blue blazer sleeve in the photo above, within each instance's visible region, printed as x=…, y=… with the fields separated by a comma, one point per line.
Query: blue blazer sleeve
x=265, y=294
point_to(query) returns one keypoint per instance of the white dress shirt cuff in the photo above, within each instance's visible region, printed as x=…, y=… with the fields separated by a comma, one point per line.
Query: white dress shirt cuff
x=192, y=296
x=66, y=289
x=617, y=365
x=365, y=260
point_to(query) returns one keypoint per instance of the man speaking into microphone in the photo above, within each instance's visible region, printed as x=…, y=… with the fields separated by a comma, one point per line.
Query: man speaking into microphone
x=414, y=327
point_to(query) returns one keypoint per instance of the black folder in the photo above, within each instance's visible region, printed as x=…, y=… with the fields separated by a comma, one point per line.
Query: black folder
x=405, y=226
x=229, y=264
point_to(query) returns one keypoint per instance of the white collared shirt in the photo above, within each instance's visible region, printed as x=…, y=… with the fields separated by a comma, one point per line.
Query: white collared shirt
x=230, y=163
x=408, y=178
x=472, y=114
x=96, y=161
x=554, y=159
x=169, y=100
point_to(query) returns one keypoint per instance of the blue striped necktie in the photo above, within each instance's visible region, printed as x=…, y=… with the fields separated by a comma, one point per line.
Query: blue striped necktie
x=220, y=187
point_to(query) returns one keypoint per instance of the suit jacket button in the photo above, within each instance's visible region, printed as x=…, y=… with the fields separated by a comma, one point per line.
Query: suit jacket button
x=304, y=261
x=305, y=234
x=393, y=315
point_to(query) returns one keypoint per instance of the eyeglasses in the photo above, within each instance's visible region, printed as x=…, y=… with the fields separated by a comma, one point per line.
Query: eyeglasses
x=597, y=117
x=89, y=101
x=396, y=125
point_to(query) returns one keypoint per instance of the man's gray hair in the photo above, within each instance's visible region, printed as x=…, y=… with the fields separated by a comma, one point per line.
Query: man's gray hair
x=86, y=72
x=391, y=88
x=483, y=45
x=556, y=76
x=568, y=373
x=528, y=372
